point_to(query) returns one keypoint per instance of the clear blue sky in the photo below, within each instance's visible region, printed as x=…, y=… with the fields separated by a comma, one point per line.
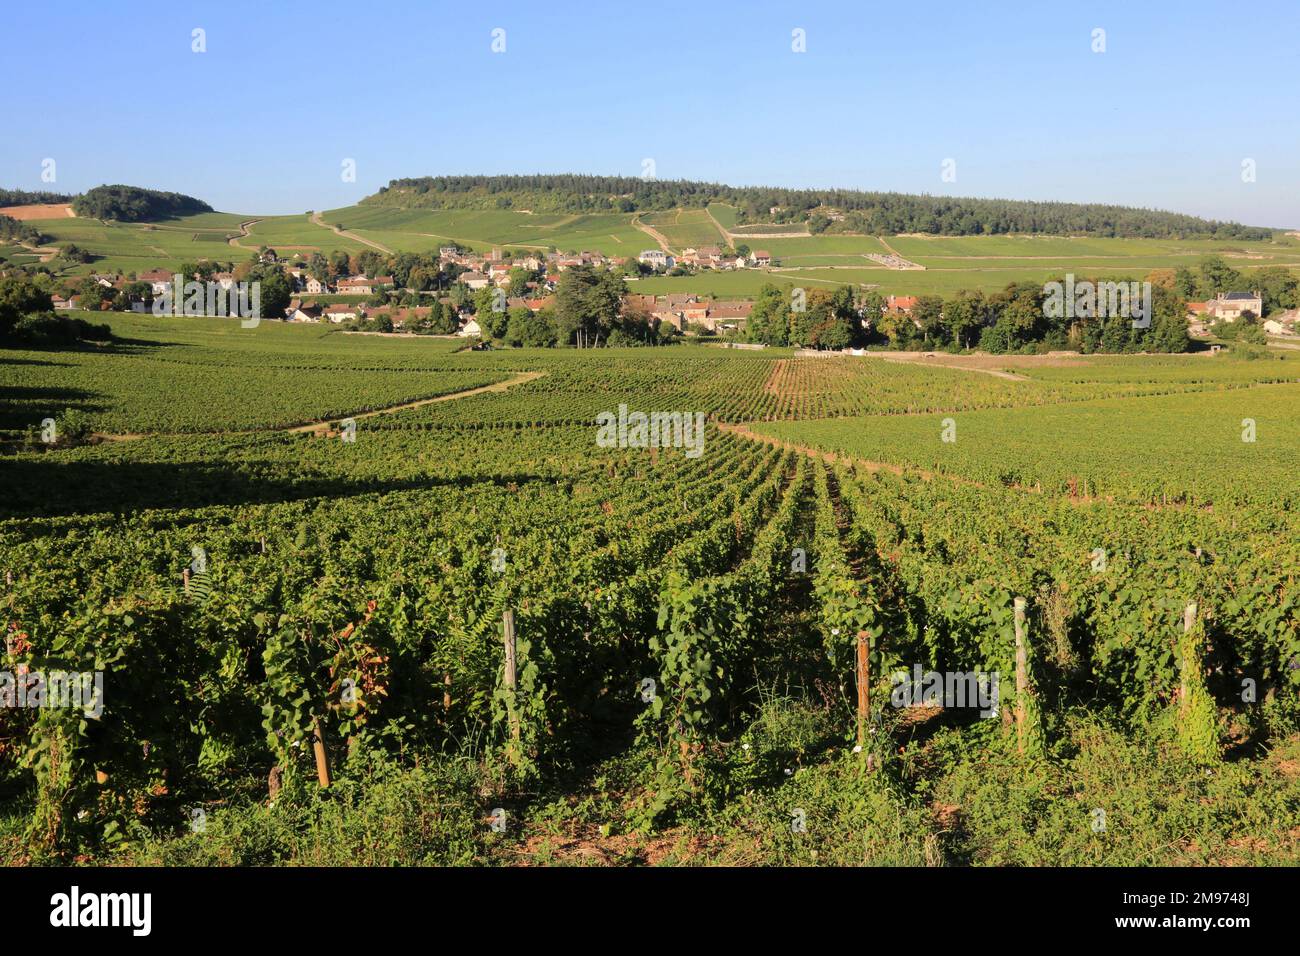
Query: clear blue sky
x=1012, y=92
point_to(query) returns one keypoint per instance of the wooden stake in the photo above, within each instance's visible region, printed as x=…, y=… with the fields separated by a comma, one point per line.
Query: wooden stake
x=864, y=687
x=1022, y=672
x=446, y=691
x=508, y=629
x=1185, y=666
x=322, y=758
x=185, y=579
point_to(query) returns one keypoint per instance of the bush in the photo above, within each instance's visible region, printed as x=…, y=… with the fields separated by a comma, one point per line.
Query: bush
x=48, y=329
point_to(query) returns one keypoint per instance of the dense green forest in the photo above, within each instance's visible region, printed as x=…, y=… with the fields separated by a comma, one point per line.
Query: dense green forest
x=868, y=212
x=134, y=204
x=21, y=197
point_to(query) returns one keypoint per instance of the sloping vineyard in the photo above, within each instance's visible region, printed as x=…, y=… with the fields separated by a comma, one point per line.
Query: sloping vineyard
x=773, y=656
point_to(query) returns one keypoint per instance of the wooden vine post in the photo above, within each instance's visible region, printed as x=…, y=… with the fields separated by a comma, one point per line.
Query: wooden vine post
x=1022, y=673
x=322, y=756
x=1029, y=734
x=1198, y=730
x=511, y=677
x=864, y=688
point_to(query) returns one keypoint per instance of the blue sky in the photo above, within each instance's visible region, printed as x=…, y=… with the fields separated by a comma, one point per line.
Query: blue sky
x=1012, y=92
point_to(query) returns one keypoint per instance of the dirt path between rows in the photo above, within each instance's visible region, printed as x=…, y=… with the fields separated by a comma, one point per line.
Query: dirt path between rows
x=325, y=426
x=243, y=233
x=934, y=360
x=315, y=217
x=652, y=232
x=929, y=359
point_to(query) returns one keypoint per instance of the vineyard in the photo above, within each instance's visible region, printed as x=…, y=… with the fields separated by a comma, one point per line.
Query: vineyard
x=891, y=614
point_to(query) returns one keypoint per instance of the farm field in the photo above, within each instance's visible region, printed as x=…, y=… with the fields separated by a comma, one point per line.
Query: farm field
x=37, y=211
x=686, y=620
x=296, y=234
x=686, y=228
x=422, y=230
x=139, y=247
x=724, y=214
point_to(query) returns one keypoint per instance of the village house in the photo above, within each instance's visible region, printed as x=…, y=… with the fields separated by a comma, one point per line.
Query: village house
x=655, y=259
x=160, y=280
x=1229, y=306
x=340, y=313
x=762, y=258
x=1282, y=323
x=470, y=328
x=723, y=315
x=362, y=285
x=639, y=303
x=474, y=280
x=303, y=313
x=901, y=303
x=313, y=286
x=401, y=317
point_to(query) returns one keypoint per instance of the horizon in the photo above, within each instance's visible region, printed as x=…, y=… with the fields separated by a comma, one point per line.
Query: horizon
x=877, y=102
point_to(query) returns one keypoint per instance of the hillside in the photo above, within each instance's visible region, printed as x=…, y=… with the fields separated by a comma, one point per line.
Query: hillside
x=834, y=210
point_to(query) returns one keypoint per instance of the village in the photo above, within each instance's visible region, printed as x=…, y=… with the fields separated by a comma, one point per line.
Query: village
x=357, y=297
x=339, y=291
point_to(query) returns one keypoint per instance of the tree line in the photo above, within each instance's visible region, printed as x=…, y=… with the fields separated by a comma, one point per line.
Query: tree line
x=1015, y=319
x=15, y=230
x=23, y=197
x=861, y=211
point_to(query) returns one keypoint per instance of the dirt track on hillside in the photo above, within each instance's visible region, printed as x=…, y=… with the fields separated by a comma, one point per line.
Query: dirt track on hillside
x=325, y=426
x=315, y=217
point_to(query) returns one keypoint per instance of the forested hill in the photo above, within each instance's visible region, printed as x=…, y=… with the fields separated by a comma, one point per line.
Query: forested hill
x=134, y=204
x=824, y=210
